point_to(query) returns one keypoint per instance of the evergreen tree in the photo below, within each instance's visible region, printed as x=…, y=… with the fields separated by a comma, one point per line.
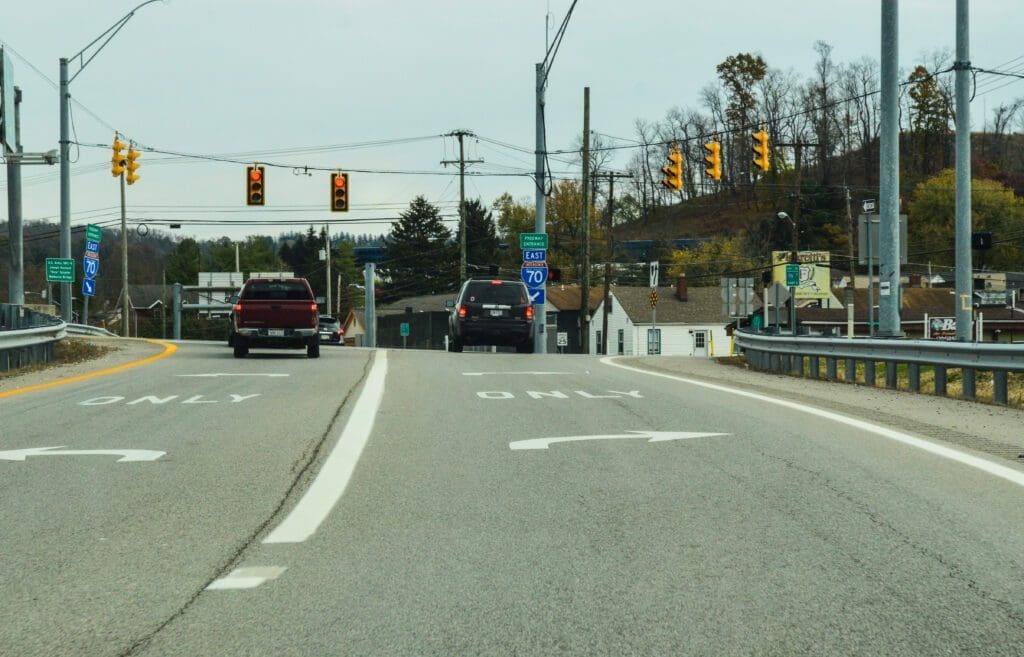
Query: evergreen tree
x=481, y=239
x=420, y=255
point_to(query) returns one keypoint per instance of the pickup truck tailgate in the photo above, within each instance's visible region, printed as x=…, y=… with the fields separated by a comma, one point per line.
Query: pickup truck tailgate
x=253, y=313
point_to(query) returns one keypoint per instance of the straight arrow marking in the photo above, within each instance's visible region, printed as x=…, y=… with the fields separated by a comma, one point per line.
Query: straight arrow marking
x=125, y=454
x=651, y=436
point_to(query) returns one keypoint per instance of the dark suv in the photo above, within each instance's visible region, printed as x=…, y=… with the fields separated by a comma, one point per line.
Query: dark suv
x=492, y=312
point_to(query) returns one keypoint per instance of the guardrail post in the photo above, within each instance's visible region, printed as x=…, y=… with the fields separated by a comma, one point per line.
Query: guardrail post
x=891, y=375
x=968, y=383
x=851, y=371
x=999, y=387
x=815, y=367
x=914, y=377
x=940, y=380
x=796, y=364
x=831, y=371
x=869, y=372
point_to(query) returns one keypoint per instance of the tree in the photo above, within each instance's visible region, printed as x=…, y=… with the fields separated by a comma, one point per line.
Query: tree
x=421, y=259
x=711, y=260
x=929, y=121
x=514, y=218
x=481, y=238
x=183, y=263
x=932, y=221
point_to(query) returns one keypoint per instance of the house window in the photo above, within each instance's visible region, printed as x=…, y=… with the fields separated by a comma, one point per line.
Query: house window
x=600, y=342
x=622, y=341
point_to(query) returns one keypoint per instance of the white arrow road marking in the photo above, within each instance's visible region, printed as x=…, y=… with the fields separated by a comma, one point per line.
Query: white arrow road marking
x=125, y=454
x=652, y=437
x=214, y=375
x=246, y=578
x=480, y=374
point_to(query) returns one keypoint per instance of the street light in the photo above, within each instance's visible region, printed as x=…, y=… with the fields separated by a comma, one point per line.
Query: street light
x=65, y=143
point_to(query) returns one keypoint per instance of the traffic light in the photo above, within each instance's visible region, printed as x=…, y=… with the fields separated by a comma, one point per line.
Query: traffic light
x=981, y=240
x=674, y=171
x=761, y=149
x=117, y=159
x=339, y=192
x=255, y=185
x=132, y=165
x=554, y=275
x=714, y=159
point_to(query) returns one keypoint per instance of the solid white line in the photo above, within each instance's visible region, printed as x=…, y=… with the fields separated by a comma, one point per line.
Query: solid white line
x=1015, y=476
x=482, y=373
x=330, y=482
x=246, y=578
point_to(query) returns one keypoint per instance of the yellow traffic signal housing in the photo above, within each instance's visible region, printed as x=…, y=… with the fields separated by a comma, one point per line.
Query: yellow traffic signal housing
x=255, y=185
x=132, y=165
x=714, y=160
x=674, y=171
x=339, y=192
x=117, y=159
x=761, y=149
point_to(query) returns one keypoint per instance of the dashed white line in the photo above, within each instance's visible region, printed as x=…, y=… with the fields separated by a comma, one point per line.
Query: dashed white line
x=246, y=578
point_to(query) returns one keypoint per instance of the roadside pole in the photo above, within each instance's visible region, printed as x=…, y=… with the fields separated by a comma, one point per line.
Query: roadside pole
x=964, y=277
x=15, y=230
x=369, y=309
x=125, y=301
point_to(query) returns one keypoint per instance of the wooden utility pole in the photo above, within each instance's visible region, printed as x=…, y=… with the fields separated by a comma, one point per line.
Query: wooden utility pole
x=609, y=254
x=585, y=274
x=462, y=162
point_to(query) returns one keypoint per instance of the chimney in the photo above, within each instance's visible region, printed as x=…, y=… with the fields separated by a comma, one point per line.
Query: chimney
x=681, y=287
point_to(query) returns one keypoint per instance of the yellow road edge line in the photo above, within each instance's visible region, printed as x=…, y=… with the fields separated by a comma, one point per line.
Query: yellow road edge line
x=169, y=349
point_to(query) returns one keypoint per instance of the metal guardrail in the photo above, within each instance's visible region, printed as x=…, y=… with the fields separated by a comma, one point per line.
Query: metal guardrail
x=27, y=337
x=787, y=353
x=86, y=329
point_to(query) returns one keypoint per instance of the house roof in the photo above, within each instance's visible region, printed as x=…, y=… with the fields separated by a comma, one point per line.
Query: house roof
x=703, y=305
x=356, y=317
x=146, y=297
x=935, y=302
x=567, y=297
x=426, y=303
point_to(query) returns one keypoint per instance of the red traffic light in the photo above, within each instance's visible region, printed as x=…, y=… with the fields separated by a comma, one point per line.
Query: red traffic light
x=339, y=181
x=255, y=175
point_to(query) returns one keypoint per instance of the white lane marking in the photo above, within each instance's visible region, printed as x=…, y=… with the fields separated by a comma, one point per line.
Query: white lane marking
x=480, y=374
x=1015, y=476
x=495, y=394
x=246, y=578
x=330, y=482
x=213, y=375
x=125, y=454
x=651, y=436
x=241, y=398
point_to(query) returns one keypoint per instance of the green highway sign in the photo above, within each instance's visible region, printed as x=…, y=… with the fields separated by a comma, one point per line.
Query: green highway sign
x=533, y=240
x=792, y=275
x=93, y=233
x=60, y=270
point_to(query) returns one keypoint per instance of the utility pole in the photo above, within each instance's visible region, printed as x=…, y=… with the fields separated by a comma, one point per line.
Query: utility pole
x=15, y=230
x=794, y=257
x=609, y=254
x=369, y=307
x=462, y=162
x=327, y=252
x=889, y=292
x=964, y=266
x=585, y=195
x=540, y=342
x=125, y=300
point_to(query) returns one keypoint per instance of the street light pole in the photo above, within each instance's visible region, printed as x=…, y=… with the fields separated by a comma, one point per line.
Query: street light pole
x=64, y=98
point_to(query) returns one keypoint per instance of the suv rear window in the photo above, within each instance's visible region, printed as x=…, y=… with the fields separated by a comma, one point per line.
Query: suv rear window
x=487, y=292
x=277, y=291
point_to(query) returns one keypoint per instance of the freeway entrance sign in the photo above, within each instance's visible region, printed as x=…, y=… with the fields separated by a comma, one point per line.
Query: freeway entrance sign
x=533, y=241
x=93, y=233
x=60, y=270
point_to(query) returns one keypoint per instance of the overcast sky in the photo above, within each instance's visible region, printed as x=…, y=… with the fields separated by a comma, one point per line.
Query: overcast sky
x=250, y=77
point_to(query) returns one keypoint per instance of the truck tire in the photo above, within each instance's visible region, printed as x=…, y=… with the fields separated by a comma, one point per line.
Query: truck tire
x=313, y=347
x=456, y=345
x=525, y=347
x=240, y=349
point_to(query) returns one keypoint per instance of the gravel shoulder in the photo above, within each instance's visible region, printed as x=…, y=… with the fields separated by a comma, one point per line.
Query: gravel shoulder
x=986, y=429
x=119, y=351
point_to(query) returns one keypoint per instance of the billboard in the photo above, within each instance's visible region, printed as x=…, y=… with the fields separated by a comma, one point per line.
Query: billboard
x=815, y=273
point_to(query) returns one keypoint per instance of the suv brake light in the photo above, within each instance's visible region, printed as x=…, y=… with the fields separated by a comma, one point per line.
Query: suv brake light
x=497, y=282
x=529, y=312
x=462, y=311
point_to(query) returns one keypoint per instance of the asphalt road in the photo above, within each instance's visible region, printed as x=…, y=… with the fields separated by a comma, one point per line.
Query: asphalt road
x=451, y=524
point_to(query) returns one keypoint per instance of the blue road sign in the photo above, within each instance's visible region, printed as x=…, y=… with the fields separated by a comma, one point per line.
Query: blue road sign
x=535, y=255
x=537, y=296
x=91, y=267
x=88, y=287
x=91, y=245
x=534, y=276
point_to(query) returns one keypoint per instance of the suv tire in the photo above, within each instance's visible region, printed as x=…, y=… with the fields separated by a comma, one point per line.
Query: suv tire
x=240, y=350
x=456, y=345
x=313, y=347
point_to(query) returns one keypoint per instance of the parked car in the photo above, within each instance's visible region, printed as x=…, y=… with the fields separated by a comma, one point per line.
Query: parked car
x=279, y=313
x=492, y=312
x=330, y=330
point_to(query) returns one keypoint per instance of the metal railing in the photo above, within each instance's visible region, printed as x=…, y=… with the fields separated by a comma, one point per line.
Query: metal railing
x=27, y=337
x=787, y=354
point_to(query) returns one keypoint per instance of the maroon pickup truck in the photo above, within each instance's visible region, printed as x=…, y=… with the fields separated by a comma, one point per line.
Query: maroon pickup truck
x=277, y=313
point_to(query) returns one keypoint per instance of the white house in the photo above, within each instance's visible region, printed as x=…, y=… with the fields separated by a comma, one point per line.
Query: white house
x=689, y=322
